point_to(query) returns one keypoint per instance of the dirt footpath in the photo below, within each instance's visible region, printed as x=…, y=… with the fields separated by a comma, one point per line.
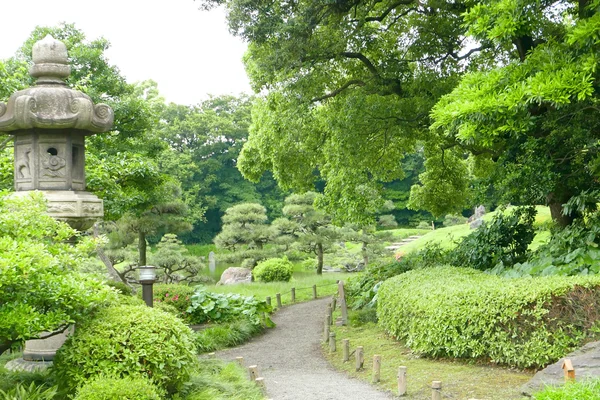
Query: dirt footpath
x=289, y=358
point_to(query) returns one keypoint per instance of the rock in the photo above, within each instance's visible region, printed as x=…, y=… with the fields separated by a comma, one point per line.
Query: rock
x=476, y=223
x=479, y=211
x=586, y=362
x=234, y=275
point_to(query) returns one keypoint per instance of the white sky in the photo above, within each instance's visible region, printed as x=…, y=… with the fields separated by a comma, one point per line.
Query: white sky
x=188, y=52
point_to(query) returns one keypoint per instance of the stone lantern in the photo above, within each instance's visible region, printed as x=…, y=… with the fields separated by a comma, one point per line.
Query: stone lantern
x=50, y=122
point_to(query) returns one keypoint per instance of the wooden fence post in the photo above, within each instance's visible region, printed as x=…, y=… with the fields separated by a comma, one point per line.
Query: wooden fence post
x=332, y=347
x=333, y=303
x=240, y=360
x=346, y=347
x=260, y=382
x=268, y=300
x=326, y=331
x=293, y=295
x=253, y=372
x=401, y=381
x=330, y=315
x=376, y=368
x=568, y=370
x=359, y=355
x=343, y=307
x=436, y=390
x=314, y=291
x=278, y=296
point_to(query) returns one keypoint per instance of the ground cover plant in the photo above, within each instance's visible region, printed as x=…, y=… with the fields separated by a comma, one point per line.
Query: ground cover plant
x=580, y=390
x=463, y=313
x=126, y=388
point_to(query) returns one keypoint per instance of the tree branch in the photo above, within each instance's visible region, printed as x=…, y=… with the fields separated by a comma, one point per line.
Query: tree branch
x=388, y=11
x=339, y=90
x=364, y=60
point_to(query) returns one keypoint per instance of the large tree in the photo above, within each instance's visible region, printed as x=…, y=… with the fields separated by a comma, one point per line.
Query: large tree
x=531, y=124
x=349, y=87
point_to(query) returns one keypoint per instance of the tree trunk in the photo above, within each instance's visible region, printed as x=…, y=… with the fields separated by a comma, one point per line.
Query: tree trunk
x=114, y=274
x=364, y=254
x=142, y=247
x=558, y=217
x=4, y=346
x=319, y=259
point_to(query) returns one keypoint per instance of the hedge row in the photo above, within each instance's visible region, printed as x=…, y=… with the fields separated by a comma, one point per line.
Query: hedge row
x=464, y=313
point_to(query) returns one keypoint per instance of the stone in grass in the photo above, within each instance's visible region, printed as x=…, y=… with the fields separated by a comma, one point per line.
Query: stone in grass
x=586, y=362
x=235, y=275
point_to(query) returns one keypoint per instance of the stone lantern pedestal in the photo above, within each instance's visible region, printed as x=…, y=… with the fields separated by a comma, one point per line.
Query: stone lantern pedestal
x=50, y=122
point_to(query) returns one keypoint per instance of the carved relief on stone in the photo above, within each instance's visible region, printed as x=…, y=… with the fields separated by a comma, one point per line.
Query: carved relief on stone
x=61, y=208
x=2, y=109
x=53, y=166
x=23, y=164
x=92, y=208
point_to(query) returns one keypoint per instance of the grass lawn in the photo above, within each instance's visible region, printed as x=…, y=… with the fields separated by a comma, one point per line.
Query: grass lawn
x=460, y=380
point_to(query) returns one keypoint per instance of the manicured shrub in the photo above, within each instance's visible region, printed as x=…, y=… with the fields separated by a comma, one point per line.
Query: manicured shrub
x=454, y=219
x=274, y=270
x=178, y=296
x=128, y=341
x=464, y=313
x=126, y=388
x=581, y=390
x=226, y=335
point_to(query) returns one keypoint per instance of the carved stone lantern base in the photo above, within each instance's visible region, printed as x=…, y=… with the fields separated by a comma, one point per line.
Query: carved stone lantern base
x=79, y=209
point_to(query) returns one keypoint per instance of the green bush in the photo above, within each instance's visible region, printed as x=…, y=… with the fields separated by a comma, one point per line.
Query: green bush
x=221, y=336
x=178, y=296
x=502, y=241
x=126, y=388
x=454, y=219
x=273, y=270
x=309, y=264
x=464, y=313
x=122, y=288
x=128, y=341
x=581, y=390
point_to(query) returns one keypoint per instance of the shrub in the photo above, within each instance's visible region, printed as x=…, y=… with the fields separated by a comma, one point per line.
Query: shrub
x=126, y=388
x=581, y=390
x=423, y=225
x=225, y=335
x=128, y=341
x=454, y=219
x=463, y=313
x=274, y=270
x=178, y=296
x=504, y=240
x=309, y=264
x=121, y=287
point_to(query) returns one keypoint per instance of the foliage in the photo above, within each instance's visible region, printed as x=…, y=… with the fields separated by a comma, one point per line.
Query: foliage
x=387, y=221
x=464, y=313
x=229, y=334
x=503, y=240
x=126, y=388
x=454, y=219
x=588, y=389
x=216, y=307
x=175, y=262
x=572, y=250
x=120, y=287
x=216, y=380
x=423, y=225
x=126, y=341
x=31, y=392
x=176, y=295
x=273, y=269
x=41, y=288
x=244, y=227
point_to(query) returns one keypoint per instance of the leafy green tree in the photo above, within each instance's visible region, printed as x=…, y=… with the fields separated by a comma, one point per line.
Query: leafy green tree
x=41, y=288
x=530, y=122
x=314, y=230
x=245, y=232
x=349, y=88
x=174, y=261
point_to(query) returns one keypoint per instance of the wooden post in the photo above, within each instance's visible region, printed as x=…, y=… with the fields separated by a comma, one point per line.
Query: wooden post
x=268, y=300
x=346, y=347
x=211, y=355
x=253, y=372
x=330, y=315
x=293, y=295
x=333, y=303
x=278, y=296
x=314, y=291
x=260, y=382
x=332, y=348
x=376, y=368
x=436, y=390
x=568, y=370
x=401, y=381
x=240, y=360
x=360, y=358
x=326, y=331
x=343, y=307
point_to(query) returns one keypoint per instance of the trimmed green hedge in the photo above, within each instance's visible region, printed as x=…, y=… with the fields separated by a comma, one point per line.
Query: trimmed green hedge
x=464, y=313
x=126, y=388
x=273, y=270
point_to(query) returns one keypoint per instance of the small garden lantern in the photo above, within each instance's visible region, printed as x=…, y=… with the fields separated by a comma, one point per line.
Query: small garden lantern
x=147, y=279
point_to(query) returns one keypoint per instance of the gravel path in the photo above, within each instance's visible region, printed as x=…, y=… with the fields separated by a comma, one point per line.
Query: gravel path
x=289, y=358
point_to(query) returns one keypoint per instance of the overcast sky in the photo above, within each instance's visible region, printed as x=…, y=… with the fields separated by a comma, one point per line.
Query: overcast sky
x=189, y=52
